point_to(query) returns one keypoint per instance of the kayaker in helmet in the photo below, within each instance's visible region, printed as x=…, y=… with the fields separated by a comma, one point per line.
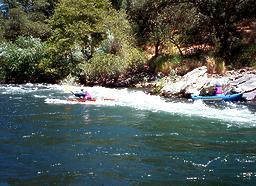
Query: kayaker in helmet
x=87, y=96
x=218, y=89
x=83, y=95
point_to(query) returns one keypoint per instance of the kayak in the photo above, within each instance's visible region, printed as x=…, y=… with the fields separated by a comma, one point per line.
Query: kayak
x=220, y=97
x=81, y=100
x=97, y=101
x=89, y=100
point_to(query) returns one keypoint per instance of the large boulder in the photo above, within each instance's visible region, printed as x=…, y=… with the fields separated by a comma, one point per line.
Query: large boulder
x=192, y=81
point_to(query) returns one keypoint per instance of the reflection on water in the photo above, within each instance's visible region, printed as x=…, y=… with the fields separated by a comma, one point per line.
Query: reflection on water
x=142, y=141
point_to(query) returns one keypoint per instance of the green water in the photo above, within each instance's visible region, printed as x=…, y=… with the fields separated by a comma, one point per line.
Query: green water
x=135, y=140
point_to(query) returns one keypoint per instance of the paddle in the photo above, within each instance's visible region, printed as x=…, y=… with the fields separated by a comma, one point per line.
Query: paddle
x=72, y=93
x=246, y=91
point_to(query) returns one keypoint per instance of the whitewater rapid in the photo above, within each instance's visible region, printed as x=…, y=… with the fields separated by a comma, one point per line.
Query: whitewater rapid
x=235, y=114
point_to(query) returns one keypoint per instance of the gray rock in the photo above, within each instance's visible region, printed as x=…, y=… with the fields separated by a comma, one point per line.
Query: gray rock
x=187, y=83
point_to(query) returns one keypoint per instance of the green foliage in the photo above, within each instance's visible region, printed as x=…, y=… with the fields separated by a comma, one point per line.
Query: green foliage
x=80, y=24
x=15, y=26
x=192, y=22
x=117, y=54
x=165, y=64
x=1, y=30
x=222, y=17
x=77, y=32
x=128, y=5
x=135, y=60
x=96, y=41
x=55, y=65
x=21, y=23
x=159, y=86
x=99, y=38
x=105, y=68
x=19, y=60
x=159, y=23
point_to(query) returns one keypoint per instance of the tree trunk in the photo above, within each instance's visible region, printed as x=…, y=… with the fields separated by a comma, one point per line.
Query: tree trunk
x=178, y=47
x=157, y=46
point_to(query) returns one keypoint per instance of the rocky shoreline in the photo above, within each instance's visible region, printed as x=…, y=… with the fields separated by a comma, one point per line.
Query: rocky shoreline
x=194, y=82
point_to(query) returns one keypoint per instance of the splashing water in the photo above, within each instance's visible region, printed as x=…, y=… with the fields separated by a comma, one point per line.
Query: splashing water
x=142, y=101
x=58, y=94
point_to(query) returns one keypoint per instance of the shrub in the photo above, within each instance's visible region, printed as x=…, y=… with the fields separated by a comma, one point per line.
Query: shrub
x=105, y=68
x=102, y=68
x=215, y=65
x=165, y=64
x=19, y=60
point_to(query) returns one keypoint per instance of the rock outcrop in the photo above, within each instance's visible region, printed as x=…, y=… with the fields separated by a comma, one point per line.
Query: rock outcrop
x=193, y=82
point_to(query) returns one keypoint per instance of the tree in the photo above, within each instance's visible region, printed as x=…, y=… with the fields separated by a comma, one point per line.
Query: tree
x=163, y=21
x=27, y=18
x=117, y=55
x=73, y=26
x=93, y=35
x=2, y=22
x=19, y=60
x=223, y=17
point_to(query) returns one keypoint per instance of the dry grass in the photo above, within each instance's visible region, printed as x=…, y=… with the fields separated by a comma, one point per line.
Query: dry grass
x=215, y=65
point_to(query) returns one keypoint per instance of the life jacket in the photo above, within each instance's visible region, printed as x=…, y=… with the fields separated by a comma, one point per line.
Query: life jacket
x=218, y=90
x=88, y=96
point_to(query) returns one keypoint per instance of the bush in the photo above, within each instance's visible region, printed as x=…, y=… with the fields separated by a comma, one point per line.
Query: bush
x=19, y=60
x=102, y=68
x=165, y=64
x=215, y=65
x=105, y=68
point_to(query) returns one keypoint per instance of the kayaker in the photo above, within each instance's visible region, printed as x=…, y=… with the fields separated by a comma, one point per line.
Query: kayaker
x=218, y=89
x=84, y=95
x=87, y=96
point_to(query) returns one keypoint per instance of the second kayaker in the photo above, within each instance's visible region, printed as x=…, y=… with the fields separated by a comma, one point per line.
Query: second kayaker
x=218, y=89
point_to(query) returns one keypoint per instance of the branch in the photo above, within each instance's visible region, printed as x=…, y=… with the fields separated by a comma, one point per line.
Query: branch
x=246, y=91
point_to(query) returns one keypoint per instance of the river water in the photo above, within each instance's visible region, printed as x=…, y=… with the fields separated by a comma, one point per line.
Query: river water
x=136, y=139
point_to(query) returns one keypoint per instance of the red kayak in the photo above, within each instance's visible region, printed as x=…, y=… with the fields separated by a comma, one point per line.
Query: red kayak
x=89, y=100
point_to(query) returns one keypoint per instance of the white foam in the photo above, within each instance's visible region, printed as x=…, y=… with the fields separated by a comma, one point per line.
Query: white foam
x=39, y=96
x=232, y=113
x=142, y=101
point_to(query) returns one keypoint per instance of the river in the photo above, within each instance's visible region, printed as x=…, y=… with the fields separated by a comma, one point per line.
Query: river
x=135, y=139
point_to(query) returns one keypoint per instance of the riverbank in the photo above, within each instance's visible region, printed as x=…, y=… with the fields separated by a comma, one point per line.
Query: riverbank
x=199, y=81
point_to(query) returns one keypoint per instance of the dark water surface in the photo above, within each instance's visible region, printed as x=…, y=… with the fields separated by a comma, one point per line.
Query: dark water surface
x=138, y=140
